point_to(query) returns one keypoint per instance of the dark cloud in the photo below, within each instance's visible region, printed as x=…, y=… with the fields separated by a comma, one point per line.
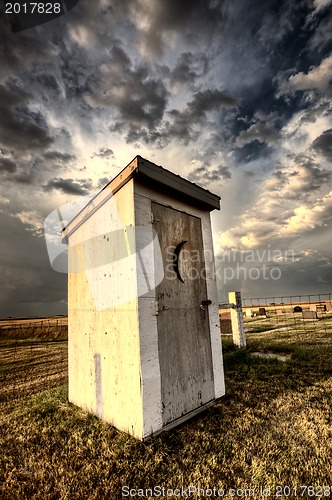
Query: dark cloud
x=261, y=132
x=321, y=38
x=12, y=95
x=185, y=126
x=158, y=138
x=21, y=128
x=58, y=156
x=205, y=176
x=7, y=165
x=19, y=52
x=135, y=95
x=139, y=100
x=278, y=19
x=76, y=78
x=251, y=151
x=49, y=82
x=104, y=153
x=323, y=144
x=17, y=168
x=194, y=21
x=25, y=177
x=188, y=69
x=209, y=100
x=70, y=186
x=168, y=73
x=117, y=127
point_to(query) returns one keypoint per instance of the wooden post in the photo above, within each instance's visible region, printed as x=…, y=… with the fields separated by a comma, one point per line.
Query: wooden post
x=239, y=336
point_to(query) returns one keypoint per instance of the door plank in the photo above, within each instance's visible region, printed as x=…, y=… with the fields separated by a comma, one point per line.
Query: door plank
x=183, y=327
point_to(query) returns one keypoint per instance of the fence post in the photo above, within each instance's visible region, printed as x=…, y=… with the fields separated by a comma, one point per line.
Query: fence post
x=239, y=336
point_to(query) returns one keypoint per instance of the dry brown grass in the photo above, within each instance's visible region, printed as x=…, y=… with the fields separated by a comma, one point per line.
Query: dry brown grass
x=273, y=428
x=30, y=366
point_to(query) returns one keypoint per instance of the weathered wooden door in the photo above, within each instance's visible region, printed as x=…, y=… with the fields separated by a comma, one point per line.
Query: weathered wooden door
x=183, y=323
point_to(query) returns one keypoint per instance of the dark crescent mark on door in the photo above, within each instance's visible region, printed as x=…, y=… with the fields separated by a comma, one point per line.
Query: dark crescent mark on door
x=177, y=251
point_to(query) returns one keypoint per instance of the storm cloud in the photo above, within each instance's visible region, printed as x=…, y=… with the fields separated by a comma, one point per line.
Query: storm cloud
x=234, y=96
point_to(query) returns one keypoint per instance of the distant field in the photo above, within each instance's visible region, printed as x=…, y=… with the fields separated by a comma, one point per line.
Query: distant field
x=290, y=323
x=48, y=327
x=30, y=366
x=272, y=430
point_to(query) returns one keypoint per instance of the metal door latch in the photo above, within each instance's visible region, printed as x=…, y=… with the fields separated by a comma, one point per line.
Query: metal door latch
x=204, y=305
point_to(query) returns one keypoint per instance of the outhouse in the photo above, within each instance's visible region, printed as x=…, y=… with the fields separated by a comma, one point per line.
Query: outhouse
x=143, y=324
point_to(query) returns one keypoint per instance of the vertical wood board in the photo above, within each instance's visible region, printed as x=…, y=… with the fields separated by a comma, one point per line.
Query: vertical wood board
x=183, y=327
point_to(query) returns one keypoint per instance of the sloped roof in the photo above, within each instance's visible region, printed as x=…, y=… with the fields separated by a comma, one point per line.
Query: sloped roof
x=154, y=175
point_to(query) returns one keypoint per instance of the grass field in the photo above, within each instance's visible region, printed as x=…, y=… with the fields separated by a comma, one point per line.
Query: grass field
x=29, y=366
x=272, y=430
x=291, y=323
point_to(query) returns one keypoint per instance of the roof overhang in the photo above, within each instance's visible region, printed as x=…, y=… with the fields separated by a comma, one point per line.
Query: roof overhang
x=152, y=175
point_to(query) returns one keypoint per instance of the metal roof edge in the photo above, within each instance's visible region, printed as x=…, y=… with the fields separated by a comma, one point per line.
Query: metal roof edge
x=161, y=175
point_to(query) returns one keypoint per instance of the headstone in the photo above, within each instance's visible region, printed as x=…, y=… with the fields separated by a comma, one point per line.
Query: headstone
x=262, y=311
x=226, y=314
x=279, y=312
x=226, y=326
x=309, y=315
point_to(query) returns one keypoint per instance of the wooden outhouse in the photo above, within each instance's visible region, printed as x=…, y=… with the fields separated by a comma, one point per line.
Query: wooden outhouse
x=143, y=324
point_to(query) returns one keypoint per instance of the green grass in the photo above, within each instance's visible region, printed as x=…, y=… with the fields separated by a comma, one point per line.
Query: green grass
x=274, y=427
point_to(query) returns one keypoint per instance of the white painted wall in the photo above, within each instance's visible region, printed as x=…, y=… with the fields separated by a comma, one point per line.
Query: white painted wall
x=104, y=346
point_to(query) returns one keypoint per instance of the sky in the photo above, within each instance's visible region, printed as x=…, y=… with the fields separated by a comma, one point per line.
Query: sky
x=234, y=95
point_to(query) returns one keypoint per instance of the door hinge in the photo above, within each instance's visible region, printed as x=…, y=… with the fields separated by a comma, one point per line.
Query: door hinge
x=156, y=310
